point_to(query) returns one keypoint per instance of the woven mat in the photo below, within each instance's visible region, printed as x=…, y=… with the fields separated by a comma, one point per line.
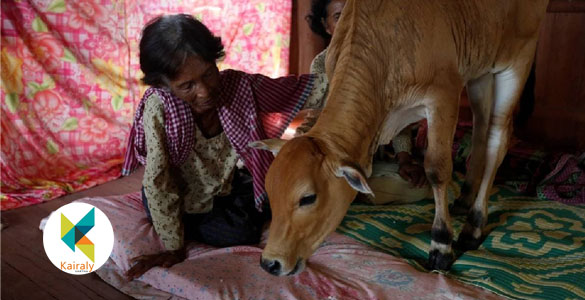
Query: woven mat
x=534, y=250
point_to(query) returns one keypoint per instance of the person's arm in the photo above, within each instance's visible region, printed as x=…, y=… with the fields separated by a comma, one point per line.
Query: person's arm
x=318, y=63
x=314, y=104
x=407, y=168
x=318, y=96
x=276, y=101
x=321, y=84
x=402, y=142
x=161, y=193
x=279, y=95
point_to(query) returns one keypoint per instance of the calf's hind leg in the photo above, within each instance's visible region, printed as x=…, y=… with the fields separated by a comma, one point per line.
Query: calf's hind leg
x=508, y=86
x=480, y=94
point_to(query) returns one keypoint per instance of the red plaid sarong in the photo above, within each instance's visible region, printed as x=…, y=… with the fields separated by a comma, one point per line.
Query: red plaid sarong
x=252, y=107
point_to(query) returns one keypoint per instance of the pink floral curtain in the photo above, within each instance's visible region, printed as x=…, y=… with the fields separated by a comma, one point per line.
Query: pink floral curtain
x=70, y=81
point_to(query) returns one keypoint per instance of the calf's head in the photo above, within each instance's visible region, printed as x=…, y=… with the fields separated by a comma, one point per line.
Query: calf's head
x=310, y=189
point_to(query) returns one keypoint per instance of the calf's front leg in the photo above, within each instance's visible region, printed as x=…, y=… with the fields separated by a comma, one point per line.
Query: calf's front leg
x=442, y=118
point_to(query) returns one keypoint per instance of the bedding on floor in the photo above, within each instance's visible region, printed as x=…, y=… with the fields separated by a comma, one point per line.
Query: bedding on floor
x=535, y=247
x=342, y=268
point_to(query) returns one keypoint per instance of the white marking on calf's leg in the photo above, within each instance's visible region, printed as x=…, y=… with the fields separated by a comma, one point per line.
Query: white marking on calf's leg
x=441, y=247
x=477, y=233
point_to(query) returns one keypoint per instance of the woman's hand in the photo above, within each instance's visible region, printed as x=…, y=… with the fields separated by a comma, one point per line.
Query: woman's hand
x=413, y=173
x=144, y=263
x=310, y=119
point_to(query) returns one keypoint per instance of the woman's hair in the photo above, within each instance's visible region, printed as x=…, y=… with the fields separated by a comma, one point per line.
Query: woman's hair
x=168, y=40
x=316, y=16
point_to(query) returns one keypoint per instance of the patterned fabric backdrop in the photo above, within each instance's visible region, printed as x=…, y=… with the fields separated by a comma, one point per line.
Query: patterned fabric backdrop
x=70, y=81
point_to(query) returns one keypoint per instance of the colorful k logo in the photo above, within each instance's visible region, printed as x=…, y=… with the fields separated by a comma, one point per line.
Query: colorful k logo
x=75, y=235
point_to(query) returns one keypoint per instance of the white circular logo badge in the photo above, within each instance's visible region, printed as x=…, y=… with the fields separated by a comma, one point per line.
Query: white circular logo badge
x=78, y=238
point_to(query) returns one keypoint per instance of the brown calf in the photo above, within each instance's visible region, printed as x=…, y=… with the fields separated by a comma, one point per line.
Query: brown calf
x=391, y=63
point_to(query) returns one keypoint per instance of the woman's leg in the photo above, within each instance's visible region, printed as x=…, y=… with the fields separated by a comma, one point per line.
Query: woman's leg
x=234, y=219
x=390, y=188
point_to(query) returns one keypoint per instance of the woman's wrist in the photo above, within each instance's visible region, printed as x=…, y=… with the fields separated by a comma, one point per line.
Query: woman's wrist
x=180, y=253
x=403, y=158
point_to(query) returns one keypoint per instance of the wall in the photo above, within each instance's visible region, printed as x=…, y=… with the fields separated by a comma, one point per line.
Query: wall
x=558, y=120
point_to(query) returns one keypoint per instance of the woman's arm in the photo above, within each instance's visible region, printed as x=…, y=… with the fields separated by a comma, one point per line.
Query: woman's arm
x=318, y=63
x=280, y=95
x=161, y=193
x=318, y=94
x=160, y=187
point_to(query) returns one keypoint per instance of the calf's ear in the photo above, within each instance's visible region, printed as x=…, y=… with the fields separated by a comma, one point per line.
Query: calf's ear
x=272, y=145
x=355, y=177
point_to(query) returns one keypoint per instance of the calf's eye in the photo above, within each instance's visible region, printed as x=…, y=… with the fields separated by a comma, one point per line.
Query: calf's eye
x=308, y=200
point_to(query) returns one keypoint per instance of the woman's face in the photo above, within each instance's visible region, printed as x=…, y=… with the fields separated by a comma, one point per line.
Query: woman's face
x=334, y=9
x=197, y=83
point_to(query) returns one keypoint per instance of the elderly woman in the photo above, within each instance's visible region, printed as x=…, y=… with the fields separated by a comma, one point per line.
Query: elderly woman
x=191, y=127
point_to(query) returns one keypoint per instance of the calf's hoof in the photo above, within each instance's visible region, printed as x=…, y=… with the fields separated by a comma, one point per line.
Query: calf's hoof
x=467, y=242
x=440, y=261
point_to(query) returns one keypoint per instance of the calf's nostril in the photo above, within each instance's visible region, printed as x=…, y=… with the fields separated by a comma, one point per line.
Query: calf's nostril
x=271, y=266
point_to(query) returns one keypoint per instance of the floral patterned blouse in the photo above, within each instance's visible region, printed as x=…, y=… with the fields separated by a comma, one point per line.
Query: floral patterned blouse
x=170, y=192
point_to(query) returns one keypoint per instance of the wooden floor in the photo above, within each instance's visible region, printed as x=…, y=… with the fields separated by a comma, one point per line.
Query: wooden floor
x=26, y=271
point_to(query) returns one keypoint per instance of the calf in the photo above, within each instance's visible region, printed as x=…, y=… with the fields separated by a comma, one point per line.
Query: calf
x=392, y=63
